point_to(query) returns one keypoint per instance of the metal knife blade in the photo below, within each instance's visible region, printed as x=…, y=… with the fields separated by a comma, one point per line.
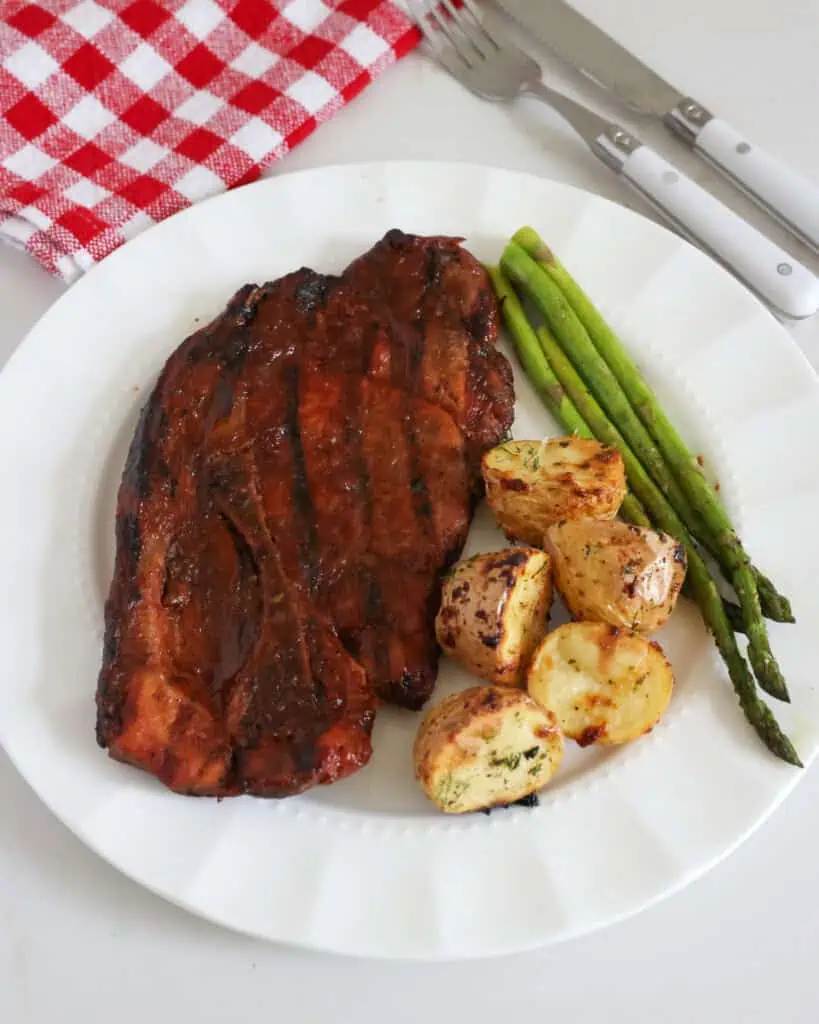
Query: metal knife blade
x=580, y=42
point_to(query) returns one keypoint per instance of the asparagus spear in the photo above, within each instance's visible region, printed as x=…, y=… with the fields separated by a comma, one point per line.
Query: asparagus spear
x=568, y=394
x=542, y=377
x=544, y=381
x=726, y=545
x=532, y=359
x=775, y=606
x=756, y=710
x=603, y=344
x=606, y=389
x=733, y=613
x=523, y=270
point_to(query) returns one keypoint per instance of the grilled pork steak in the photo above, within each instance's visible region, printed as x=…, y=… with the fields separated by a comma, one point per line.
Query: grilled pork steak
x=303, y=472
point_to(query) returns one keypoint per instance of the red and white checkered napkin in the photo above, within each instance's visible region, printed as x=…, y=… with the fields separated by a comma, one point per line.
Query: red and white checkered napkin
x=116, y=114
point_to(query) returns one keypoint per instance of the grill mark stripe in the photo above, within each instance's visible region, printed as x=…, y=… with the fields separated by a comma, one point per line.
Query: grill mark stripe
x=302, y=500
x=375, y=614
x=432, y=282
x=420, y=493
x=354, y=440
x=421, y=502
x=415, y=357
x=305, y=510
x=355, y=396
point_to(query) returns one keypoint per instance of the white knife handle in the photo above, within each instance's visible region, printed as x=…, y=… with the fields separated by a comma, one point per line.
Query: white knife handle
x=785, y=194
x=768, y=270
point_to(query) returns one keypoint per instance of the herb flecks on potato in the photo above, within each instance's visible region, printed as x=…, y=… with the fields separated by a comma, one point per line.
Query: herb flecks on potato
x=608, y=571
x=605, y=684
x=532, y=484
x=484, y=747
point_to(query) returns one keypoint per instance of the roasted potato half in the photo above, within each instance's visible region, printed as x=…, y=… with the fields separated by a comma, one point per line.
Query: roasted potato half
x=494, y=612
x=485, y=746
x=608, y=571
x=532, y=484
x=605, y=684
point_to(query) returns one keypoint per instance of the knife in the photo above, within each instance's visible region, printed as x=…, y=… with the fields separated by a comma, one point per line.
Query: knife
x=781, y=192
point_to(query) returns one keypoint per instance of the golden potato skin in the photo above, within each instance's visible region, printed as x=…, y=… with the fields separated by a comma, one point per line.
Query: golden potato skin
x=494, y=611
x=609, y=571
x=605, y=684
x=484, y=747
x=532, y=484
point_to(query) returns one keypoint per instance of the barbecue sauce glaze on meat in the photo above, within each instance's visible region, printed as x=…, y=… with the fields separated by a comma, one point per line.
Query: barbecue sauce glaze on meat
x=303, y=473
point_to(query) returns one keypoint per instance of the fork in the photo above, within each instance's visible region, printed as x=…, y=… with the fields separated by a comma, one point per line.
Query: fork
x=493, y=67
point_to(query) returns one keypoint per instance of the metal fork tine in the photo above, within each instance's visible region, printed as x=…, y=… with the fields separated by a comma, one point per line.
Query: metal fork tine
x=432, y=35
x=482, y=59
x=446, y=28
x=453, y=63
x=476, y=14
x=472, y=31
x=420, y=15
x=418, y=12
x=480, y=21
x=448, y=55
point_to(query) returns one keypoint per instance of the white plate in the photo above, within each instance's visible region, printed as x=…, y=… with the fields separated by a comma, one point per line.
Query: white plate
x=368, y=866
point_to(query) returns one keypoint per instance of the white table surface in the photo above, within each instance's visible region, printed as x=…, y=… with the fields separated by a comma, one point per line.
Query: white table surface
x=78, y=942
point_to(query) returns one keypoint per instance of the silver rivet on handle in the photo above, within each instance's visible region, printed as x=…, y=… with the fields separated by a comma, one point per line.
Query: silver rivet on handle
x=694, y=112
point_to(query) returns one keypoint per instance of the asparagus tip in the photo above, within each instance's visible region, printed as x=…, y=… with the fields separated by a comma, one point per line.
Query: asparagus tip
x=531, y=241
x=767, y=672
x=789, y=756
x=776, y=689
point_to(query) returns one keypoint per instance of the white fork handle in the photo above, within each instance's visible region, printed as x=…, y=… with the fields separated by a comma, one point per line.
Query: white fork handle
x=786, y=195
x=772, y=273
